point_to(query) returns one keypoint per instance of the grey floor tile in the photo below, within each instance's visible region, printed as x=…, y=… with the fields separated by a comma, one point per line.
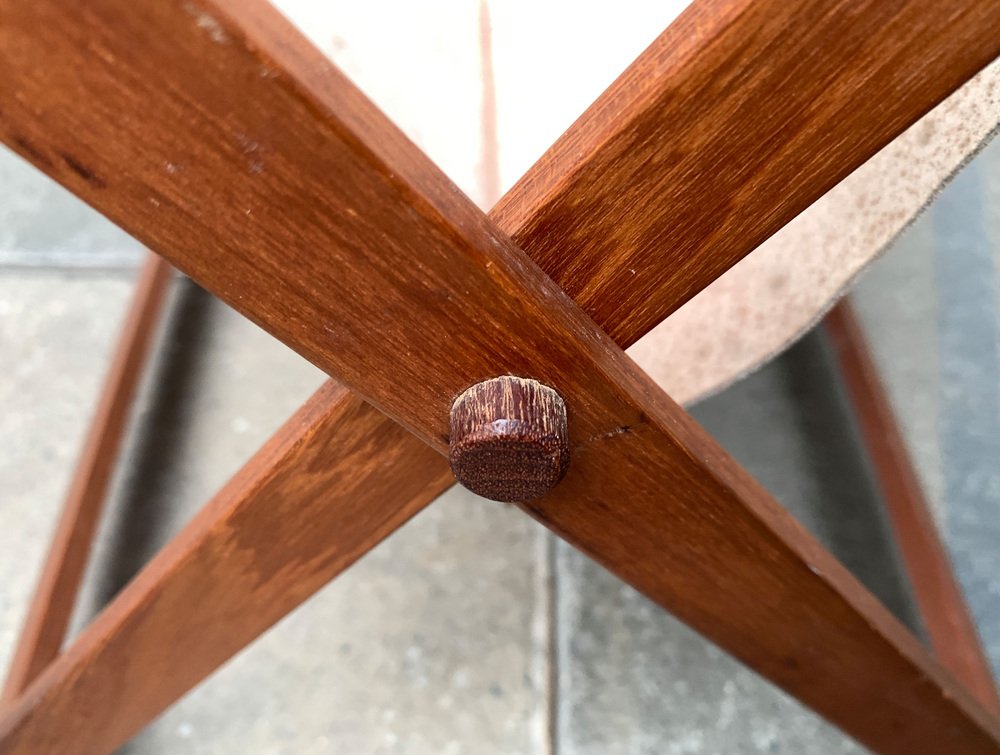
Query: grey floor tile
x=896, y=303
x=55, y=336
x=633, y=680
x=431, y=644
x=42, y=224
x=969, y=337
x=789, y=424
x=216, y=389
x=423, y=647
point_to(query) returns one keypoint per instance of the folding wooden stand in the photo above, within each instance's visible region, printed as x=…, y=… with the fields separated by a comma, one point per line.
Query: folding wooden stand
x=214, y=133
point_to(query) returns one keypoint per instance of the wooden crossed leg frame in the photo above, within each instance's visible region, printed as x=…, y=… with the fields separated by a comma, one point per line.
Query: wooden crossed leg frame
x=211, y=131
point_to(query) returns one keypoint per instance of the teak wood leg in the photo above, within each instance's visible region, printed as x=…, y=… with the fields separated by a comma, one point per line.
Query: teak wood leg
x=330, y=485
x=942, y=607
x=52, y=604
x=383, y=243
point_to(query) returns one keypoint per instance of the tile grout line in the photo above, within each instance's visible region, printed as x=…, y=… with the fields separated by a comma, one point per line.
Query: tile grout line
x=66, y=259
x=552, y=656
x=45, y=268
x=544, y=626
x=544, y=656
x=542, y=667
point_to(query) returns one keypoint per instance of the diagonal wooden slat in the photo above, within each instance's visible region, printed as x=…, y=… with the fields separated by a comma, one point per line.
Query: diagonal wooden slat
x=943, y=608
x=738, y=117
x=286, y=164
x=52, y=604
x=467, y=258
x=331, y=484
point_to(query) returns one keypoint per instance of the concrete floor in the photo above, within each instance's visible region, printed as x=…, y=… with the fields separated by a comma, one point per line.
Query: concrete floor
x=472, y=630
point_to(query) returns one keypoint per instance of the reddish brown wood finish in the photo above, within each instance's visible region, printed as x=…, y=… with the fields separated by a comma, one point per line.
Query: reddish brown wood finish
x=509, y=440
x=331, y=484
x=944, y=611
x=382, y=243
x=738, y=117
x=52, y=605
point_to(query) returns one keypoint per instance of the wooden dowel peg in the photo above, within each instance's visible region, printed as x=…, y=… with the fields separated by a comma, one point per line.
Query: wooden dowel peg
x=509, y=439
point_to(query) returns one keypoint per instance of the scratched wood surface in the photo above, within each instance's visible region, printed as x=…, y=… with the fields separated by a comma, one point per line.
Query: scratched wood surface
x=52, y=604
x=381, y=241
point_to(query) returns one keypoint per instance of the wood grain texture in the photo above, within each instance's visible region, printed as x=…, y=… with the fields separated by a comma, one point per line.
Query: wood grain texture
x=738, y=117
x=332, y=483
x=943, y=609
x=55, y=595
x=262, y=173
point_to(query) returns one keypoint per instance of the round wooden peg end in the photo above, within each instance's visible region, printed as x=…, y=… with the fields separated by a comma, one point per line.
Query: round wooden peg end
x=509, y=440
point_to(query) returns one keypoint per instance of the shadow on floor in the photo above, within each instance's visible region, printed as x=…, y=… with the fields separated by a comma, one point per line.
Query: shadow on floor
x=790, y=425
x=140, y=502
